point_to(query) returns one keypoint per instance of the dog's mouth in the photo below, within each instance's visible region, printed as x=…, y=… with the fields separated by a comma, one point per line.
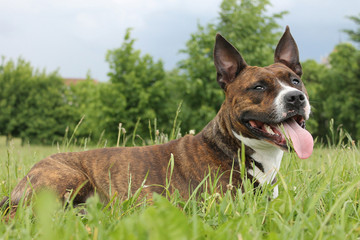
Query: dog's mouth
x=274, y=132
x=292, y=128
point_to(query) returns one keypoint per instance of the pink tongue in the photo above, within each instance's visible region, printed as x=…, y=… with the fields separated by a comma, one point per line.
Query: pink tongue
x=302, y=140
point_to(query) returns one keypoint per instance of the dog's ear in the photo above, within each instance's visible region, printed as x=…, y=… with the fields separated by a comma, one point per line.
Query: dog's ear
x=228, y=61
x=287, y=52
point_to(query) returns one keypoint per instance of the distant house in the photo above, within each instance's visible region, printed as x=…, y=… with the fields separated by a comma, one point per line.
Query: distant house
x=74, y=81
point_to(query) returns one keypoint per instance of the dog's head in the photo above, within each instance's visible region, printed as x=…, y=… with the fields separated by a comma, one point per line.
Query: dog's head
x=265, y=103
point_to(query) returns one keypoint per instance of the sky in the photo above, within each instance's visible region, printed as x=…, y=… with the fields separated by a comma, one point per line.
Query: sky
x=73, y=36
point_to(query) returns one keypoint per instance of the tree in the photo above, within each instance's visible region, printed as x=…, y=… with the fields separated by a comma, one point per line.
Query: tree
x=354, y=34
x=84, y=97
x=343, y=89
x=137, y=90
x=33, y=104
x=46, y=110
x=246, y=25
x=14, y=90
x=313, y=77
x=334, y=91
x=334, y=88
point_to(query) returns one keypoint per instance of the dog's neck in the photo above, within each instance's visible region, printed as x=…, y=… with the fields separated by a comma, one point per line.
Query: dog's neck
x=219, y=137
x=262, y=158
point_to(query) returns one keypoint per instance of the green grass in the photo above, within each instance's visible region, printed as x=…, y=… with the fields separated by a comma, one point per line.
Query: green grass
x=318, y=199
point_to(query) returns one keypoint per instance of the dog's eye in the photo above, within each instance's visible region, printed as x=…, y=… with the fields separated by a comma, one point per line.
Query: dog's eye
x=259, y=88
x=295, y=81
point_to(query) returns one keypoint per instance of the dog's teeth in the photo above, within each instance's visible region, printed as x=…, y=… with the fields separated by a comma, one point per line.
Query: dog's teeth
x=268, y=129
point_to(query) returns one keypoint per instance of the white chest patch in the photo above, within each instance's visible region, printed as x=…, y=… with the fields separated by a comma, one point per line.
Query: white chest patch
x=268, y=155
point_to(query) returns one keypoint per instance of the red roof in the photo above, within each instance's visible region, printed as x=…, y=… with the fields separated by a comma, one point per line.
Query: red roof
x=74, y=81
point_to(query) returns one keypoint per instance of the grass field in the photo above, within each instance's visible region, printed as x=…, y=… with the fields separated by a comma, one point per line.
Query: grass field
x=318, y=199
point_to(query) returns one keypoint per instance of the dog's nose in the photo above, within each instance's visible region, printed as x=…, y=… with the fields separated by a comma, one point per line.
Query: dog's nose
x=295, y=98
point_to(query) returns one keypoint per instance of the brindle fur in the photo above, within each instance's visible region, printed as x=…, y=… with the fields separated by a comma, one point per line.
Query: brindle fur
x=214, y=148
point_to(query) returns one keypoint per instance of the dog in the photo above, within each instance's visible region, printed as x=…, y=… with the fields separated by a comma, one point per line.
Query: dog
x=263, y=107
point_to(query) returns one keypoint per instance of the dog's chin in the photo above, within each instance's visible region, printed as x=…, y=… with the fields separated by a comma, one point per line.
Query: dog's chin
x=273, y=133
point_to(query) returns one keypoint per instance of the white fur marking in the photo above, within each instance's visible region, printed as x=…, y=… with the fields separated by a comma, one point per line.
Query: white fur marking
x=280, y=104
x=268, y=155
x=275, y=192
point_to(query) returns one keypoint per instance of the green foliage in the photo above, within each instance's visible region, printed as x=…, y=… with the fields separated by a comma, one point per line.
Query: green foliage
x=334, y=91
x=246, y=25
x=137, y=90
x=46, y=112
x=354, y=34
x=14, y=84
x=33, y=104
x=342, y=88
x=84, y=98
x=314, y=73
